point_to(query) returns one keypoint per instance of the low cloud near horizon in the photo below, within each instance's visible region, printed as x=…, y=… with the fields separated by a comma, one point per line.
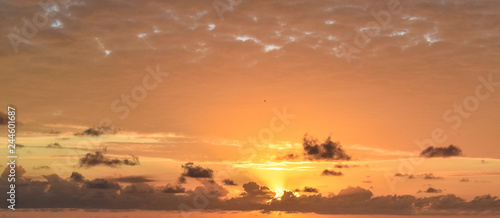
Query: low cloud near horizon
x=100, y=193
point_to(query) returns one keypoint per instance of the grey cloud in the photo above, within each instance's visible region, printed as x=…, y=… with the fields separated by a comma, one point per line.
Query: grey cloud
x=98, y=158
x=229, y=182
x=254, y=189
x=54, y=145
x=132, y=179
x=77, y=177
x=190, y=170
x=96, y=131
x=431, y=176
x=174, y=189
x=307, y=189
x=104, y=194
x=449, y=151
x=102, y=184
x=42, y=167
x=431, y=190
x=327, y=172
x=327, y=150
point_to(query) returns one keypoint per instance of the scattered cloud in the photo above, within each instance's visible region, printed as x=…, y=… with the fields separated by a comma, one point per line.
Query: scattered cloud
x=254, y=189
x=423, y=176
x=54, y=145
x=42, y=167
x=356, y=192
x=431, y=176
x=96, y=131
x=308, y=189
x=327, y=172
x=77, y=177
x=102, y=184
x=75, y=192
x=229, y=182
x=173, y=189
x=449, y=151
x=327, y=150
x=98, y=158
x=289, y=156
x=132, y=179
x=464, y=180
x=181, y=180
x=340, y=166
x=190, y=170
x=431, y=190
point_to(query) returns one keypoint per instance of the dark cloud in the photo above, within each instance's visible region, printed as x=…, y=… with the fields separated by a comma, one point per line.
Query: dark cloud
x=138, y=189
x=173, y=189
x=254, y=189
x=464, y=180
x=356, y=192
x=211, y=189
x=181, y=180
x=42, y=167
x=229, y=182
x=190, y=170
x=289, y=156
x=96, y=131
x=54, y=145
x=77, y=177
x=431, y=190
x=98, y=158
x=449, y=151
x=4, y=118
x=132, y=179
x=55, y=191
x=102, y=184
x=308, y=189
x=422, y=176
x=340, y=166
x=367, y=181
x=431, y=176
x=327, y=172
x=327, y=150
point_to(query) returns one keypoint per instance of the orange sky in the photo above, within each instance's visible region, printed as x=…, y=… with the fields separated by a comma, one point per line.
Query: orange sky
x=214, y=92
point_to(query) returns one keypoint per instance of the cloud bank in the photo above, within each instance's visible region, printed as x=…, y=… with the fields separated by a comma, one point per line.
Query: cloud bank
x=77, y=192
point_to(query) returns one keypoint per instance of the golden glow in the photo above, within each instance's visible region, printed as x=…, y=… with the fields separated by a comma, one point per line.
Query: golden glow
x=280, y=192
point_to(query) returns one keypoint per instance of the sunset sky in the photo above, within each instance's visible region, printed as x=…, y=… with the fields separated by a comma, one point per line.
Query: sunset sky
x=322, y=107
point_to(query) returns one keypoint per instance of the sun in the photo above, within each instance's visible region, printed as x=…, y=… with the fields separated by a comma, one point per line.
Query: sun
x=279, y=192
